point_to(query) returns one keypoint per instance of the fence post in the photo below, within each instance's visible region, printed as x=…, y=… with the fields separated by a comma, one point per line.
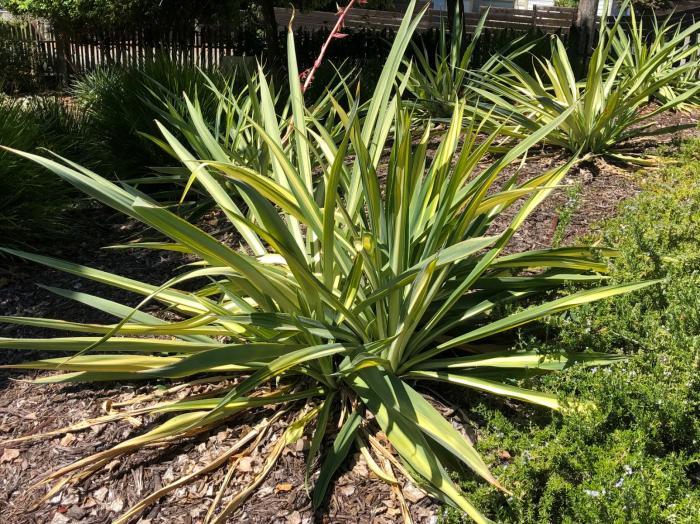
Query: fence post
x=534, y=16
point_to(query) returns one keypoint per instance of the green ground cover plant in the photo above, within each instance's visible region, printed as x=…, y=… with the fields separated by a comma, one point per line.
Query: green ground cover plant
x=566, y=212
x=635, y=458
x=349, y=294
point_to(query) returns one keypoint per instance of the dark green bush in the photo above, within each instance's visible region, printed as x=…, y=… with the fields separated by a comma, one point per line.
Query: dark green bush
x=123, y=103
x=33, y=203
x=635, y=457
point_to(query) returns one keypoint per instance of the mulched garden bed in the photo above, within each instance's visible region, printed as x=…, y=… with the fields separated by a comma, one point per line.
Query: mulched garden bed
x=355, y=496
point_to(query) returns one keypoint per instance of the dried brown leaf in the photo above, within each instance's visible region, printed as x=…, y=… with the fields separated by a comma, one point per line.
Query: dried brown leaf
x=9, y=454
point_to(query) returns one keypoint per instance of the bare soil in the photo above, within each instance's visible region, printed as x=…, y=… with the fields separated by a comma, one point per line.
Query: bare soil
x=356, y=496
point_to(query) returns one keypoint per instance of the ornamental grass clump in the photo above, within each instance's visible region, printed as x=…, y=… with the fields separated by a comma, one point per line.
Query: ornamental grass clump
x=230, y=136
x=122, y=103
x=35, y=207
x=350, y=292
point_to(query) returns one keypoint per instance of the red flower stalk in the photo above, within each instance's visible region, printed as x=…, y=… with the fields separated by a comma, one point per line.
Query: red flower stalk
x=308, y=75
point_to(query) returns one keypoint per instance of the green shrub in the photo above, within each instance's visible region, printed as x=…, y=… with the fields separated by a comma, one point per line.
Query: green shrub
x=437, y=80
x=636, y=457
x=123, y=103
x=640, y=43
x=124, y=106
x=347, y=294
x=229, y=112
x=34, y=207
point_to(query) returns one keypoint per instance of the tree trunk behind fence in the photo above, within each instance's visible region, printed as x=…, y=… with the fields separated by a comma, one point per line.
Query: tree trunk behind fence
x=63, y=55
x=586, y=24
x=271, y=31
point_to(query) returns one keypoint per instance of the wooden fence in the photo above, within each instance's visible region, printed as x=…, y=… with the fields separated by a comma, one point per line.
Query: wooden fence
x=27, y=55
x=686, y=18
x=546, y=18
x=51, y=53
x=207, y=46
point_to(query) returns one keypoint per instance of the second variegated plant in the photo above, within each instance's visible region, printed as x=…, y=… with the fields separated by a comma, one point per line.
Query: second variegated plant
x=608, y=109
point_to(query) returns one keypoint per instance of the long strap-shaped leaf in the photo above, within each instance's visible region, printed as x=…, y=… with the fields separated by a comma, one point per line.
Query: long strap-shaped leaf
x=531, y=314
x=211, y=185
x=335, y=456
x=522, y=360
x=136, y=345
x=408, y=440
x=118, y=310
x=401, y=397
x=204, y=361
x=490, y=386
x=179, y=299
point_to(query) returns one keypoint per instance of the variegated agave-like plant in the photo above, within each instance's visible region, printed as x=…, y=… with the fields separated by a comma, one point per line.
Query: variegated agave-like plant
x=350, y=292
x=667, y=50
x=437, y=79
x=606, y=109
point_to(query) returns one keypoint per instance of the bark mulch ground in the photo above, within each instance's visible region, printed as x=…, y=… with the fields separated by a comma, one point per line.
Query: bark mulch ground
x=356, y=495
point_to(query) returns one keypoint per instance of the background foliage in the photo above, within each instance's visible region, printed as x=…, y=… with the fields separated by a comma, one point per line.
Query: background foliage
x=80, y=13
x=36, y=206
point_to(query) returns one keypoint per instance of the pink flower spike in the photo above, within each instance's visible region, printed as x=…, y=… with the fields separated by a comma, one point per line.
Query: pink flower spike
x=335, y=33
